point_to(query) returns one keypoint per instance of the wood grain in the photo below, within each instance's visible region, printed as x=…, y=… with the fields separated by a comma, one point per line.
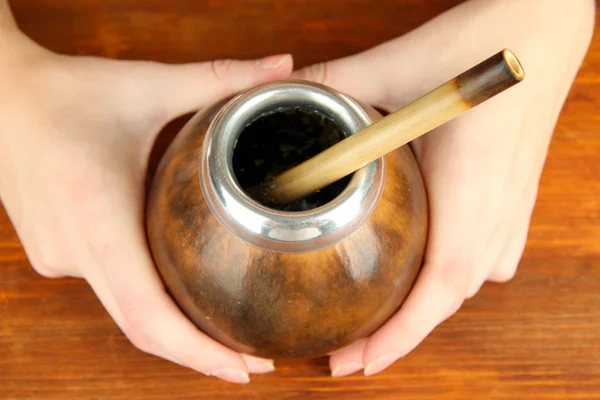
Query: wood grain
x=536, y=337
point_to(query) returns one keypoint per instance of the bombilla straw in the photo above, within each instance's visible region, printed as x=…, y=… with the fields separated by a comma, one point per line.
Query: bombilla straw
x=467, y=90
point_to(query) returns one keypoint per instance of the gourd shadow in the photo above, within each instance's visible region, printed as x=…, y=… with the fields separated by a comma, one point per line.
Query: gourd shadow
x=164, y=138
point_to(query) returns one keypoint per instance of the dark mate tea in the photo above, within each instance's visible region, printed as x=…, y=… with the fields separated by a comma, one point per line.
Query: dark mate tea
x=278, y=141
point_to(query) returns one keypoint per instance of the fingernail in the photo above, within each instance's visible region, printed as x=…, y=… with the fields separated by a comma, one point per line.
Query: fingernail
x=271, y=62
x=380, y=363
x=346, y=369
x=261, y=367
x=231, y=375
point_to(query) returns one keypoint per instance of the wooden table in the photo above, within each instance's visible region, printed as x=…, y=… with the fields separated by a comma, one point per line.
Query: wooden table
x=536, y=337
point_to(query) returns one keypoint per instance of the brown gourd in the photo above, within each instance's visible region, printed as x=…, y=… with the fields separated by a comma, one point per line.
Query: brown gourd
x=274, y=280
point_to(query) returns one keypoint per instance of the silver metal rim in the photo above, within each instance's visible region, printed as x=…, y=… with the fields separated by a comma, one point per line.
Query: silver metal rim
x=274, y=230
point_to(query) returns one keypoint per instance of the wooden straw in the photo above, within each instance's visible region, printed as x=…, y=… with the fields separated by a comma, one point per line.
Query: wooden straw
x=467, y=90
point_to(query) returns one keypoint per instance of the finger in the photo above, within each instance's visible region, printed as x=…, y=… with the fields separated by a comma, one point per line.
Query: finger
x=506, y=267
x=102, y=290
x=360, y=75
x=507, y=261
x=450, y=268
x=95, y=278
x=94, y=275
x=347, y=360
x=258, y=365
x=387, y=76
x=432, y=301
x=151, y=320
x=506, y=245
x=180, y=89
x=154, y=323
x=43, y=246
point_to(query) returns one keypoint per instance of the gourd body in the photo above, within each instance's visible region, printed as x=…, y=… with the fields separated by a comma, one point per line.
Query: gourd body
x=282, y=304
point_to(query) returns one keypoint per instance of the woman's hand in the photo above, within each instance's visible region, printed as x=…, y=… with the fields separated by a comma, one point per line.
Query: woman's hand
x=75, y=137
x=482, y=169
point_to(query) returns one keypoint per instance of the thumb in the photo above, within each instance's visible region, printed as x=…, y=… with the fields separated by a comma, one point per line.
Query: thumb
x=386, y=76
x=361, y=76
x=185, y=88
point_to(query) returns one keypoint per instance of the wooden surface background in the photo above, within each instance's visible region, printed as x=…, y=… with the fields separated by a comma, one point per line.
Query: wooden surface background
x=536, y=337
